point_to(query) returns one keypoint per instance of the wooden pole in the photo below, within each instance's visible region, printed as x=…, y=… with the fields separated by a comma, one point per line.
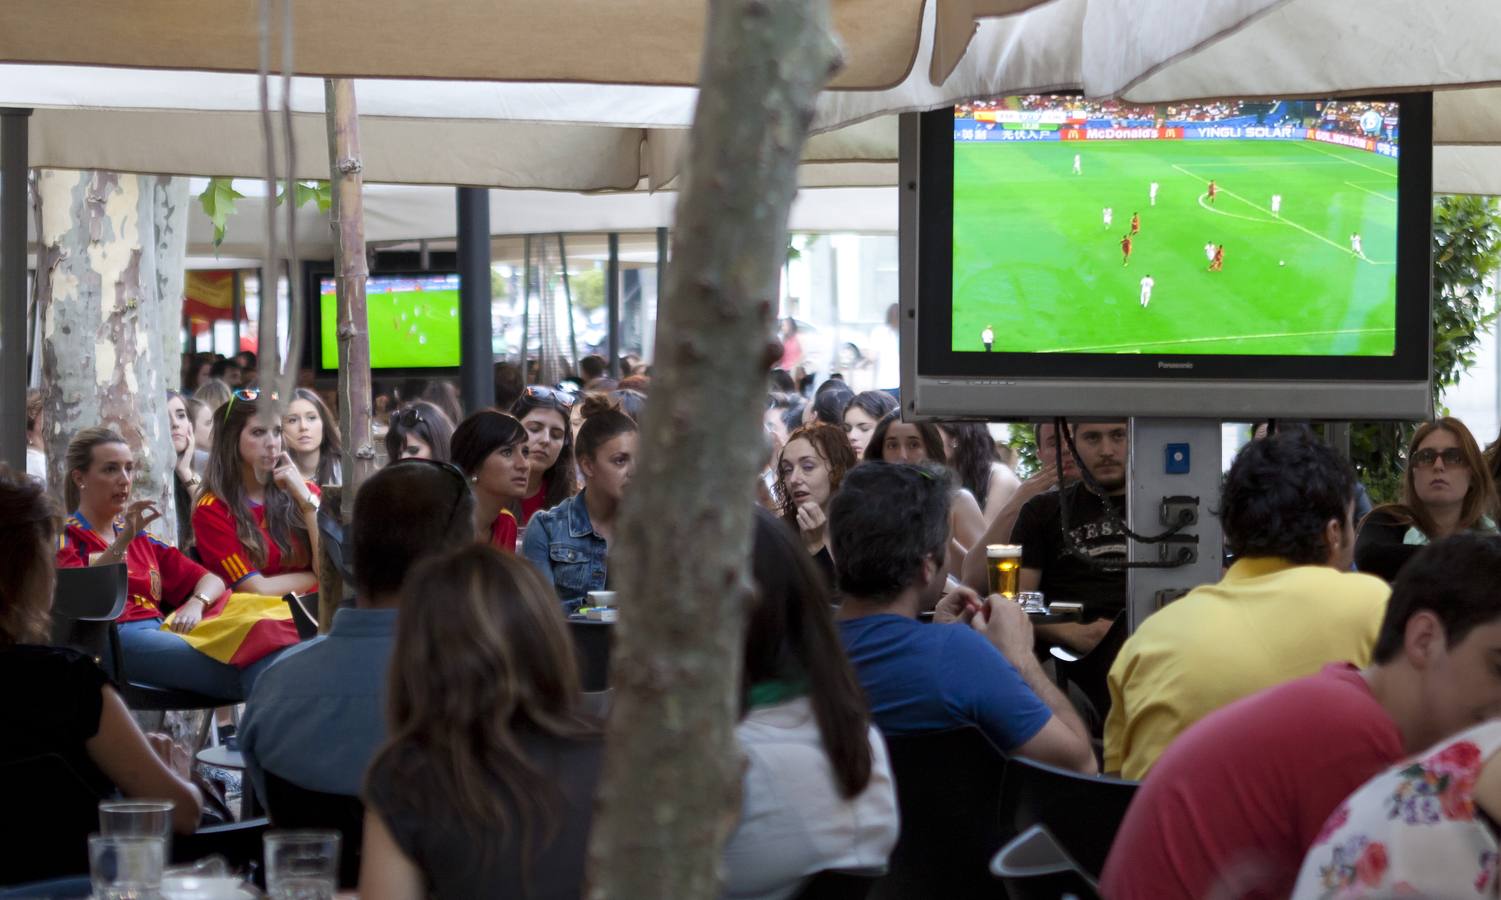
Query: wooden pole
x=669, y=793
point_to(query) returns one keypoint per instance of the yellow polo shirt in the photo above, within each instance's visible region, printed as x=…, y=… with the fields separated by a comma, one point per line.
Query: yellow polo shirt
x=1267, y=621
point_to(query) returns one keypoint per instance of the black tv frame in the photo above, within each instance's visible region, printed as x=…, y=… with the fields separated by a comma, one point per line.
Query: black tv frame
x=938, y=381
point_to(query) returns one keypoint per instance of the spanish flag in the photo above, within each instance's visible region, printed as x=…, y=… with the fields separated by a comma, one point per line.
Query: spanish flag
x=241, y=629
x=208, y=296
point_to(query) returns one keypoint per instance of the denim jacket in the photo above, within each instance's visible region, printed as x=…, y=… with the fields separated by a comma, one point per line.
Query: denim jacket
x=562, y=544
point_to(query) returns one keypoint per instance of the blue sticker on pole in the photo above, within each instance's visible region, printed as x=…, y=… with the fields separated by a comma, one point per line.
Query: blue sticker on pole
x=1177, y=459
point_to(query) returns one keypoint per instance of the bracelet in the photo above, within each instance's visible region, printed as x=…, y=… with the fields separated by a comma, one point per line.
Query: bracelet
x=201, y=597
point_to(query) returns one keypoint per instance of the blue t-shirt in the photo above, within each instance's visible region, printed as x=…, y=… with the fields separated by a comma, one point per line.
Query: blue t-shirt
x=921, y=677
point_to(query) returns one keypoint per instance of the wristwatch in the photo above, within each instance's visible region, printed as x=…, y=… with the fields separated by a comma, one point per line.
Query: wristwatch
x=313, y=502
x=201, y=596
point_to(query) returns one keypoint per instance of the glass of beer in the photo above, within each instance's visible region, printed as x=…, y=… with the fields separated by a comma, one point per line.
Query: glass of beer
x=1003, y=564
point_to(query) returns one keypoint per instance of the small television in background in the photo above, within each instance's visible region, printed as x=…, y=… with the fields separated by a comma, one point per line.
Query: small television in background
x=413, y=321
x=1224, y=259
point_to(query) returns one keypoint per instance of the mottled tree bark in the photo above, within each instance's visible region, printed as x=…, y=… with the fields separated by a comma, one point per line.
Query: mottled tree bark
x=170, y=226
x=669, y=794
x=97, y=287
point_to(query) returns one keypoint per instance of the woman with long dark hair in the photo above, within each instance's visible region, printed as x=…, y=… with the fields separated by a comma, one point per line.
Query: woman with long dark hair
x=186, y=482
x=972, y=457
x=818, y=792
x=916, y=442
x=169, y=595
x=864, y=412
x=545, y=413
x=570, y=543
x=312, y=438
x=59, y=702
x=490, y=448
x=257, y=521
x=1446, y=489
x=486, y=785
x=419, y=430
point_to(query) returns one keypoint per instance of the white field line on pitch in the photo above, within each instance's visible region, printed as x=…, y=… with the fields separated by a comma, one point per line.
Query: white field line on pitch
x=1259, y=165
x=1282, y=219
x=1228, y=337
x=1371, y=192
x=1317, y=149
x=1220, y=212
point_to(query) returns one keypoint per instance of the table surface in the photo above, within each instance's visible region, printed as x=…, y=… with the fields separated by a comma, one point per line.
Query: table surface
x=223, y=757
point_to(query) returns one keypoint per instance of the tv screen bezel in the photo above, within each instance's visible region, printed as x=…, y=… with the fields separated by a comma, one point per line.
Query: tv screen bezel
x=313, y=353
x=937, y=359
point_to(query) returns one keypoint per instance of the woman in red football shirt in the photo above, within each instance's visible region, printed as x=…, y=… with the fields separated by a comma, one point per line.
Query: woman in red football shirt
x=257, y=522
x=490, y=448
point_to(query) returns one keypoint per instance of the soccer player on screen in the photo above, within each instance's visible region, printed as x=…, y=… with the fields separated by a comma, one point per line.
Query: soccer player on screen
x=1135, y=223
x=1355, y=245
x=1277, y=205
x=1125, y=249
x=1209, y=252
x=1109, y=214
x=1213, y=189
x=987, y=337
x=1218, y=263
x=1152, y=193
x=1146, y=291
x=1078, y=160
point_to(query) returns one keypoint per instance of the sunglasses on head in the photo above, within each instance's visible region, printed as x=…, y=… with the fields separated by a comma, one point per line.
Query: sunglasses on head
x=546, y=394
x=1429, y=457
x=408, y=417
x=245, y=395
x=457, y=474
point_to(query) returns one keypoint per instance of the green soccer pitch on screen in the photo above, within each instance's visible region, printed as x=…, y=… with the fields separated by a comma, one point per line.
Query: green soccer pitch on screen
x=1265, y=228
x=413, y=321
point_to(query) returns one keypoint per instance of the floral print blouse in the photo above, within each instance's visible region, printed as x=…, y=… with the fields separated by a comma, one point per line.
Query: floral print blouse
x=1412, y=831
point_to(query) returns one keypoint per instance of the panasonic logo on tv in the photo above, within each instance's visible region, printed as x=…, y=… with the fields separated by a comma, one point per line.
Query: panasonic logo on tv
x=1162, y=364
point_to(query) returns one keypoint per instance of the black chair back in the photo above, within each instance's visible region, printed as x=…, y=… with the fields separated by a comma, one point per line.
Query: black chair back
x=304, y=614
x=592, y=641
x=948, y=790
x=832, y=884
x=293, y=807
x=50, y=811
x=1033, y=867
x=1082, y=812
x=85, y=604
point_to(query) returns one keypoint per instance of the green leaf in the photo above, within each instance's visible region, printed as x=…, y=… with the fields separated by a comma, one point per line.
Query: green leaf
x=218, y=201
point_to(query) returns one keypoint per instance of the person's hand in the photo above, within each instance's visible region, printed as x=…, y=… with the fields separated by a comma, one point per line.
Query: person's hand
x=188, y=615
x=288, y=477
x=1005, y=624
x=811, y=521
x=171, y=753
x=958, y=605
x=136, y=517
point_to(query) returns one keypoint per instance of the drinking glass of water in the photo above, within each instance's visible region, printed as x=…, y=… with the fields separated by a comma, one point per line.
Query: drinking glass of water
x=125, y=866
x=138, y=817
x=302, y=865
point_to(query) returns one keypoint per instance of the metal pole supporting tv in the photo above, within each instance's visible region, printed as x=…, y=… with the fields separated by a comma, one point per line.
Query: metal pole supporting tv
x=13, y=164
x=612, y=297
x=476, y=353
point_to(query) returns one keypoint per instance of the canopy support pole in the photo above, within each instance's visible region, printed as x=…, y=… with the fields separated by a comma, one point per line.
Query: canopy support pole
x=612, y=298
x=13, y=168
x=476, y=353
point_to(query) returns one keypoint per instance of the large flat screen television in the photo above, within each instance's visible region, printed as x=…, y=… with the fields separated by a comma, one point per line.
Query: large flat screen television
x=413, y=321
x=1223, y=259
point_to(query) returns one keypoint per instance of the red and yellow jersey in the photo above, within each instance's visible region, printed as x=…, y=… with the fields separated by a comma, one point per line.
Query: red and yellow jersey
x=220, y=549
x=158, y=575
x=532, y=505
x=503, y=532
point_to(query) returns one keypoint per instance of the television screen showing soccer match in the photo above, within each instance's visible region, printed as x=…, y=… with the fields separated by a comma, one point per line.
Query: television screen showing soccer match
x=413, y=320
x=1265, y=228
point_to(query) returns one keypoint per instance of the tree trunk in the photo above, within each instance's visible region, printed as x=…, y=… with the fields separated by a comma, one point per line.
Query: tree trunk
x=671, y=785
x=97, y=284
x=170, y=223
x=347, y=218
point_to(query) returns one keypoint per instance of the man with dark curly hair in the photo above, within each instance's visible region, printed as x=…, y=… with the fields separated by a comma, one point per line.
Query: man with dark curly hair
x=1288, y=606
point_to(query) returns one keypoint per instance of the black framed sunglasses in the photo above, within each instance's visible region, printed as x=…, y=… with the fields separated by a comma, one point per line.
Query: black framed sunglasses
x=1428, y=457
x=457, y=474
x=408, y=417
x=545, y=394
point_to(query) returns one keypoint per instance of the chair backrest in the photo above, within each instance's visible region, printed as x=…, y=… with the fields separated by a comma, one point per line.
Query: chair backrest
x=50, y=811
x=592, y=641
x=948, y=790
x=292, y=806
x=304, y=614
x=85, y=604
x=1082, y=812
x=1090, y=671
x=1033, y=867
x=832, y=884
